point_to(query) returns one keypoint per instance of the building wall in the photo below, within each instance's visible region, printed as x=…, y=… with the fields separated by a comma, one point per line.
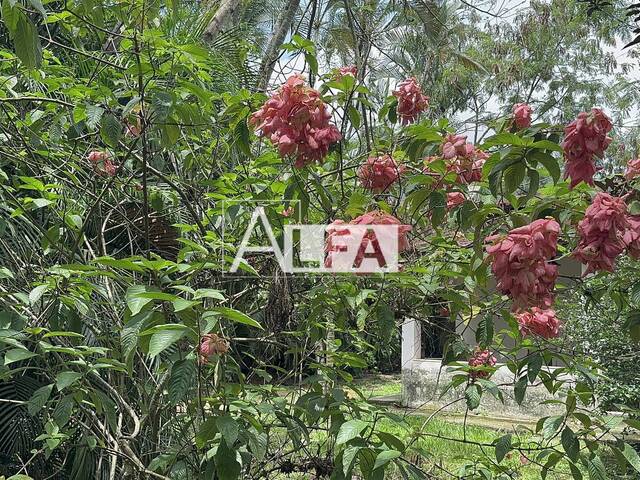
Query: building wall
x=424, y=380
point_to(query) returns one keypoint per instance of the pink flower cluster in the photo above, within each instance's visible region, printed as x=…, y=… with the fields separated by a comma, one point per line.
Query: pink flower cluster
x=411, y=100
x=378, y=173
x=296, y=120
x=376, y=217
x=633, y=169
x=102, y=164
x=584, y=138
x=350, y=70
x=540, y=322
x=210, y=345
x=479, y=360
x=454, y=199
x=463, y=158
x=520, y=263
x=522, y=115
x=602, y=233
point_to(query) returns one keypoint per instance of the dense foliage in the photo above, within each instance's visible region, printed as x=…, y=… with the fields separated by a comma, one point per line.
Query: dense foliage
x=135, y=142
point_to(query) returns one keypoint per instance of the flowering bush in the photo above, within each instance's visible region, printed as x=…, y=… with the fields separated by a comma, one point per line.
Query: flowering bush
x=210, y=345
x=378, y=173
x=463, y=158
x=520, y=263
x=454, y=199
x=479, y=361
x=540, y=322
x=102, y=164
x=602, y=233
x=633, y=169
x=411, y=101
x=350, y=70
x=522, y=115
x=585, y=138
x=297, y=122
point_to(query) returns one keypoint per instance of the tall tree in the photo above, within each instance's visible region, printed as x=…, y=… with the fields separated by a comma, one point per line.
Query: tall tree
x=270, y=58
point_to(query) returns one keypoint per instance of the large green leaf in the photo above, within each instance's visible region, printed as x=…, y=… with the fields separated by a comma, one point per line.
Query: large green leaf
x=350, y=430
x=236, y=316
x=162, y=340
x=27, y=43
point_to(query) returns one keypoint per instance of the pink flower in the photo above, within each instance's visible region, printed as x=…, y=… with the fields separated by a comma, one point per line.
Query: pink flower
x=212, y=344
x=463, y=158
x=541, y=322
x=584, y=138
x=350, y=70
x=522, y=115
x=479, y=360
x=296, y=120
x=454, y=199
x=102, y=164
x=287, y=212
x=341, y=229
x=378, y=173
x=632, y=236
x=602, y=232
x=633, y=169
x=520, y=263
x=411, y=101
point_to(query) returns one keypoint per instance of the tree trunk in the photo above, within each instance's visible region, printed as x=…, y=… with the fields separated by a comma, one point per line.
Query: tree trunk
x=273, y=48
x=225, y=12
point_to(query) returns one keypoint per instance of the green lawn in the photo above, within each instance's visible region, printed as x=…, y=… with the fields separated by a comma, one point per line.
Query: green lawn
x=442, y=447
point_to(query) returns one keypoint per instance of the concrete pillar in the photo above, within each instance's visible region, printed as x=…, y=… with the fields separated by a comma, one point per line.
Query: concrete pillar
x=411, y=342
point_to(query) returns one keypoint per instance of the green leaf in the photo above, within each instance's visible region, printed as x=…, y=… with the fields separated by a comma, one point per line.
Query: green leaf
x=503, y=139
x=385, y=457
x=534, y=366
x=236, y=316
x=519, y=389
x=17, y=354
x=354, y=116
x=547, y=145
x=228, y=427
x=94, y=114
x=181, y=304
x=5, y=273
x=484, y=333
x=37, y=293
x=208, y=293
x=634, y=208
x=513, y=177
x=10, y=16
x=473, y=394
x=227, y=466
x=350, y=430
x=503, y=446
x=37, y=4
x=111, y=130
x=596, y=469
x=570, y=444
x=551, y=425
x=134, y=301
x=65, y=379
x=549, y=162
x=39, y=399
x=160, y=341
x=182, y=374
x=632, y=456
x=348, y=456
x=437, y=205
x=27, y=43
